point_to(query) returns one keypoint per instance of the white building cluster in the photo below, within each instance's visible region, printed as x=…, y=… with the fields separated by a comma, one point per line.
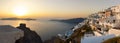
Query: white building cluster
x=110, y=18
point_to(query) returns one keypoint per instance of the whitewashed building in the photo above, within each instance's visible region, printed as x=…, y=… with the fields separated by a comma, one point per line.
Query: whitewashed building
x=9, y=34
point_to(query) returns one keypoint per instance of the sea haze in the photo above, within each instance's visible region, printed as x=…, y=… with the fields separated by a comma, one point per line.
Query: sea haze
x=46, y=29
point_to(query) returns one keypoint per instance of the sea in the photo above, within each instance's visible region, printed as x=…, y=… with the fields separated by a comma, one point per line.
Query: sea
x=45, y=29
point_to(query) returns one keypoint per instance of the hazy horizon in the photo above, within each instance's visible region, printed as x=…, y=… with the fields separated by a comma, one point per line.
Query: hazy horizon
x=53, y=8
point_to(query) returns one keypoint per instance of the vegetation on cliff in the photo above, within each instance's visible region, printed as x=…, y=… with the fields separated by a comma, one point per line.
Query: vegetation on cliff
x=113, y=40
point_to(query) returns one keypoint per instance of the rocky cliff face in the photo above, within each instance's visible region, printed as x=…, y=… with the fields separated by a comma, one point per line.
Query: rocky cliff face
x=29, y=35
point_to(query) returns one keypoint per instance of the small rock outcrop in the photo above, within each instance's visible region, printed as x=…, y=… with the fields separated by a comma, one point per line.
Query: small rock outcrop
x=29, y=35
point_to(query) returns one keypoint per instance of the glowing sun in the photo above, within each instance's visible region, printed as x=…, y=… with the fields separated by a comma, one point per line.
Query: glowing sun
x=20, y=11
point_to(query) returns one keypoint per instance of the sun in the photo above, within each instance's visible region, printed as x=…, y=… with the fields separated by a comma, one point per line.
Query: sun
x=20, y=10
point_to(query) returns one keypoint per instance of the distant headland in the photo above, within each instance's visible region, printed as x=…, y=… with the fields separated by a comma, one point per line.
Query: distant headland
x=70, y=21
x=17, y=19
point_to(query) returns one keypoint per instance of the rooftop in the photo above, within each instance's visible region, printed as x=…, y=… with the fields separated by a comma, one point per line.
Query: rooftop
x=9, y=34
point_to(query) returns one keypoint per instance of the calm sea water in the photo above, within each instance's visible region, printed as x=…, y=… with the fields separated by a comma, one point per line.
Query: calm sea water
x=46, y=29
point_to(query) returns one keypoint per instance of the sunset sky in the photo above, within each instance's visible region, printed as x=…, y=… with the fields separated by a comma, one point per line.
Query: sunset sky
x=53, y=8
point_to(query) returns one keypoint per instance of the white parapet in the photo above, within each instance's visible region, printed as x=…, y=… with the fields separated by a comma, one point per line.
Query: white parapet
x=114, y=31
x=9, y=34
